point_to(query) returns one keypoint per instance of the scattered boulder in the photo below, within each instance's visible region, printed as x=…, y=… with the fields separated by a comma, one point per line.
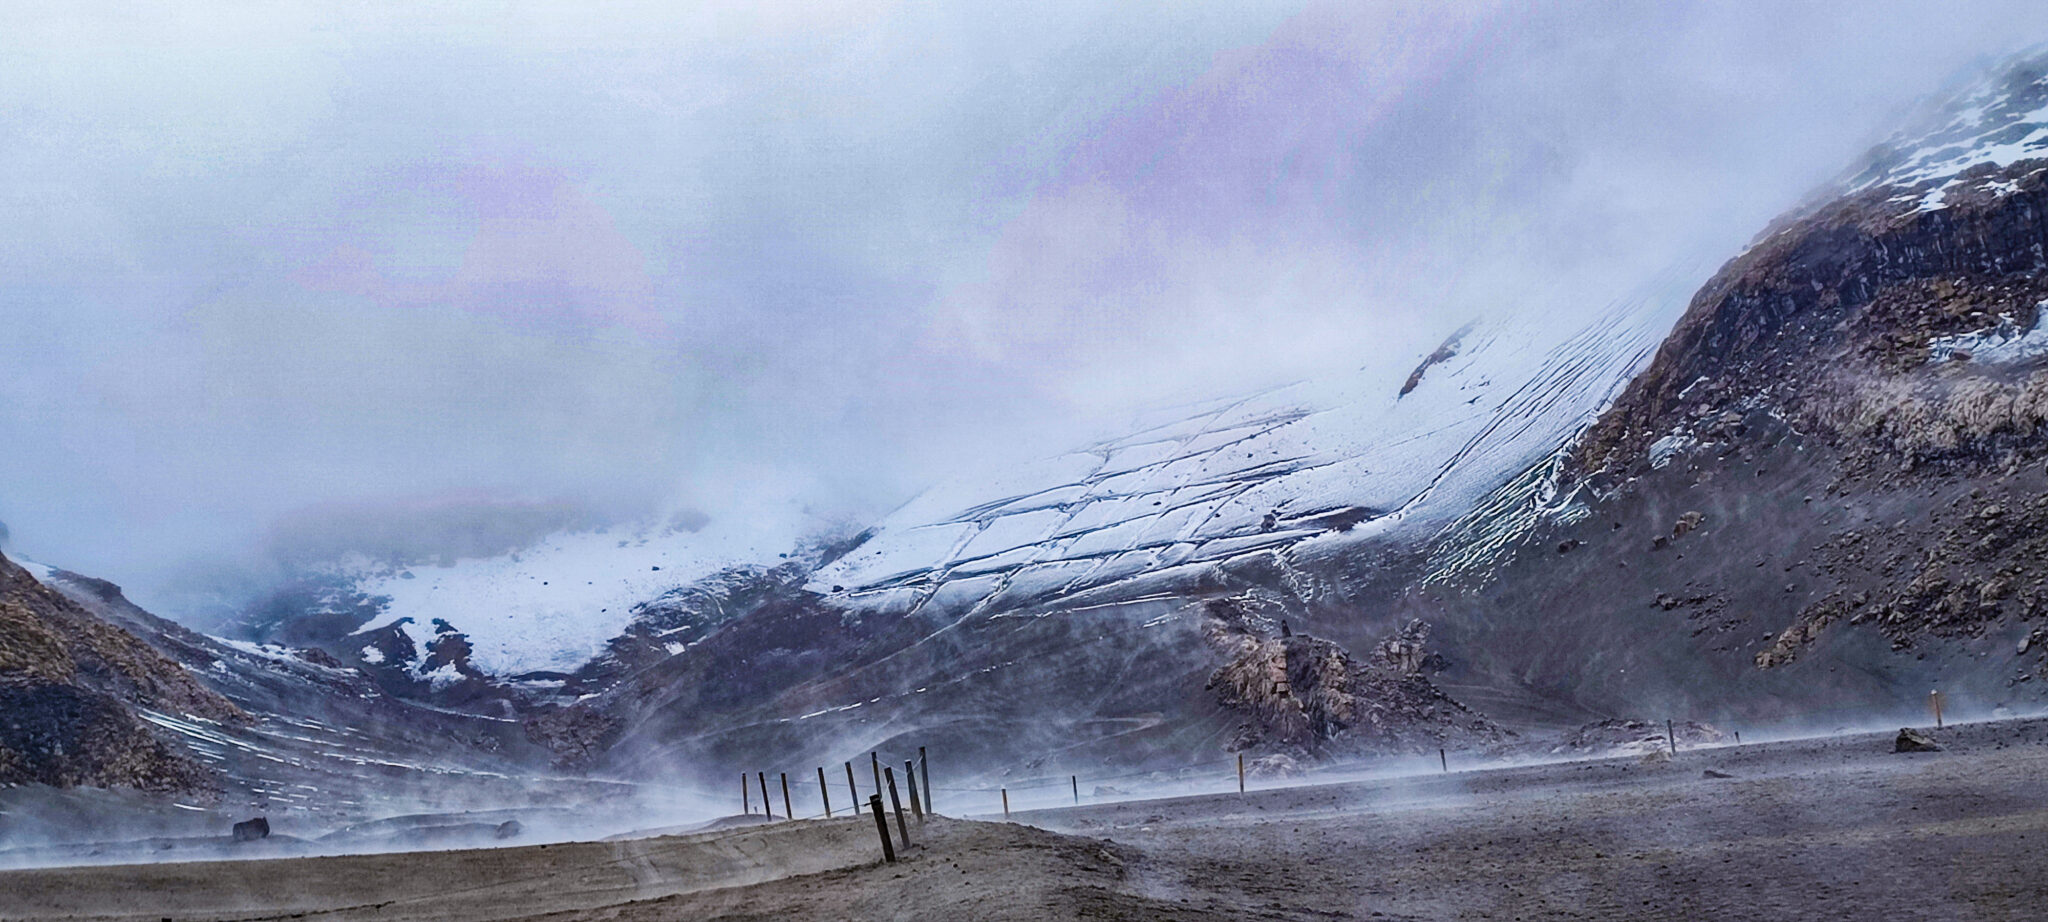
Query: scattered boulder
x=1911, y=740
x=251, y=830
x=1686, y=523
x=1710, y=773
x=509, y=829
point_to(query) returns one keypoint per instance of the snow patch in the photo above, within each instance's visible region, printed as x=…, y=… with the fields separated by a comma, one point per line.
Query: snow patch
x=554, y=605
x=1999, y=120
x=2001, y=343
x=1668, y=447
x=41, y=574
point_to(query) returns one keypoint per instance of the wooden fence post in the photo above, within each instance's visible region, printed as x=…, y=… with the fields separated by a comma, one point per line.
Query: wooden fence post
x=1670, y=736
x=875, y=762
x=852, y=788
x=1006, y=803
x=1444, y=760
x=763, y=778
x=1934, y=697
x=746, y=796
x=902, y=828
x=823, y=794
x=882, y=828
x=1240, y=773
x=924, y=770
x=910, y=779
x=1077, y=788
x=787, y=810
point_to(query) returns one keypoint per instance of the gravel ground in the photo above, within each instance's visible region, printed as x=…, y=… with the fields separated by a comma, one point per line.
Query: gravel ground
x=1833, y=828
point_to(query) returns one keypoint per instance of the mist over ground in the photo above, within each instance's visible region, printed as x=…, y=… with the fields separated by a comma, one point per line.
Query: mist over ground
x=273, y=269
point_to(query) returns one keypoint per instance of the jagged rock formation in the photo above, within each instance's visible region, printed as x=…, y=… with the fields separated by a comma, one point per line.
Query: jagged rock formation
x=1307, y=697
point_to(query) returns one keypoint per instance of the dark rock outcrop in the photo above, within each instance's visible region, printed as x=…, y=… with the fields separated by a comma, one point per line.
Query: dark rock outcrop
x=1305, y=696
x=1911, y=740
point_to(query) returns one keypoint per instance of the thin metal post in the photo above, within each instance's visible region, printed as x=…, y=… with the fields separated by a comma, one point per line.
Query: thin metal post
x=1006, y=803
x=1077, y=788
x=746, y=795
x=1240, y=773
x=823, y=794
x=787, y=810
x=763, y=778
x=1670, y=736
x=1444, y=760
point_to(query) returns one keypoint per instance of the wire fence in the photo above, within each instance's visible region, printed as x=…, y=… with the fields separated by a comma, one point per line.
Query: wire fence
x=1229, y=773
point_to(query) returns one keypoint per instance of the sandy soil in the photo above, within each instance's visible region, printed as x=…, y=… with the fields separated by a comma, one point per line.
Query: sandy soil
x=1836, y=828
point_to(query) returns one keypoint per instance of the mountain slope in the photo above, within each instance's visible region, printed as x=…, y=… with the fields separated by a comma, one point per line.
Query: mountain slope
x=73, y=689
x=1824, y=495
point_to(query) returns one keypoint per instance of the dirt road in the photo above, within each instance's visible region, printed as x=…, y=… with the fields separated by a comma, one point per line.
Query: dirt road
x=1836, y=828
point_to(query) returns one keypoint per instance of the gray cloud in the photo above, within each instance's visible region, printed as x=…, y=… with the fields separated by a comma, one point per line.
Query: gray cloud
x=264, y=261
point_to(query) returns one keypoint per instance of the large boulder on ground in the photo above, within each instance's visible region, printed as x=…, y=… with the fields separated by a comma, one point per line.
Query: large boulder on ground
x=1911, y=740
x=251, y=830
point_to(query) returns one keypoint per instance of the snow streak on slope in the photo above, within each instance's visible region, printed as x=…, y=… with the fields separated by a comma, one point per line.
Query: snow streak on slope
x=552, y=606
x=1999, y=120
x=1306, y=467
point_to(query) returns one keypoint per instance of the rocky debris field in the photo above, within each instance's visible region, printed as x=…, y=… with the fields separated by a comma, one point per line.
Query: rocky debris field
x=1837, y=827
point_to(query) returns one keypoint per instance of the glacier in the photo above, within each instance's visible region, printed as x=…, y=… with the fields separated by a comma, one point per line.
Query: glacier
x=1299, y=470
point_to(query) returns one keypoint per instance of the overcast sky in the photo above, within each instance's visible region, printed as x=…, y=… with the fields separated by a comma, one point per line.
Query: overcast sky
x=261, y=258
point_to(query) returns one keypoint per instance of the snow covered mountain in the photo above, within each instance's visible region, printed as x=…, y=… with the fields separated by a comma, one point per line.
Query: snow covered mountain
x=530, y=616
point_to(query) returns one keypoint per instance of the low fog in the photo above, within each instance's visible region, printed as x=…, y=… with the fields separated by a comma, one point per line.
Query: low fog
x=269, y=273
